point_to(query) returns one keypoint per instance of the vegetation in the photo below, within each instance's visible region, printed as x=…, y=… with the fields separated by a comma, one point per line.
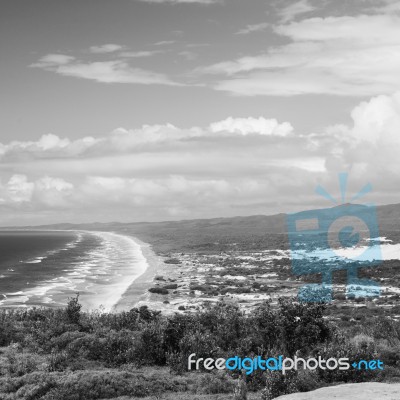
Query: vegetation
x=69, y=354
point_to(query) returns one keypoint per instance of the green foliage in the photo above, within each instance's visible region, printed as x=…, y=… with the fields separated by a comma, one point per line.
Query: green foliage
x=73, y=310
x=69, y=354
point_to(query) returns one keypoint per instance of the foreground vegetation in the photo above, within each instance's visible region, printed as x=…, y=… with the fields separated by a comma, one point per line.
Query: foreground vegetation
x=56, y=354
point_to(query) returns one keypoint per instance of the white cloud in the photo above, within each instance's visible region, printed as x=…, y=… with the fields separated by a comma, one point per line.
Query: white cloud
x=50, y=141
x=348, y=56
x=247, y=126
x=164, y=42
x=53, y=59
x=17, y=190
x=156, y=171
x=44, y=192
x=106, y=48
x=233, y=166
x=52, y=192
x=376, y=123
x=366, y=29
x=116, y=71
x=48, y=145
x=123, y=140
x=369, y=147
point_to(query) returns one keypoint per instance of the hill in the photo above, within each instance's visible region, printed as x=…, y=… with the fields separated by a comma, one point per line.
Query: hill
x=211, y=234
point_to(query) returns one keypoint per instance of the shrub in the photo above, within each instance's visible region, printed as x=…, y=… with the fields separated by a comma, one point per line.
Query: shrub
x=171, y=286
x=158, y=290
x=73, y=310
x=19, y=364
x=57, y=361
x=214, y=383
x=278, y=384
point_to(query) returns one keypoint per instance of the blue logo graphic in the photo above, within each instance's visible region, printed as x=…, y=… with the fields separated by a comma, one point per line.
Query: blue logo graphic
x=343, y=237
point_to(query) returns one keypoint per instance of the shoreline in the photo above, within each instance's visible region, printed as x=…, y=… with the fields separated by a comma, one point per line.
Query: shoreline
x=110, y=293
x=138, y=290
x=113, y=284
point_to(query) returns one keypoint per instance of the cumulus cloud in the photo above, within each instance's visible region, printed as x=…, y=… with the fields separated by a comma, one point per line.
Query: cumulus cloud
x=370, y=146
x=246, y=126
x=115, y=71
x=347, y=56
x=376, y=123
x=157, y=171
x=233, y=166
x=48, y=145
x=17, y=190
x=122, y=140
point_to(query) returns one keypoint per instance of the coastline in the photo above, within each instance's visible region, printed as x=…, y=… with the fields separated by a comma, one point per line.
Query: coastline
x=113, y=277
x=107, y=293
x=137, y=291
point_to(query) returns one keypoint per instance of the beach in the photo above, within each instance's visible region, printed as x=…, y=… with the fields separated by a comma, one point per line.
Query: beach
x=117, y=265
x=137, y=292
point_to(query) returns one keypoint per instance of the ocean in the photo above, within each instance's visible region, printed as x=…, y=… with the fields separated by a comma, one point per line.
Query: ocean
x=46, y=268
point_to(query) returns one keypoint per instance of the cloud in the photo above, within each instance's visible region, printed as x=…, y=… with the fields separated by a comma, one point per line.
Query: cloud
x=148, y=137
x=230, y=167
x=106, y=48
x=188, y=55
x=246, y=126
x=369, y=148
x=253, y=28
x=139, y=54
x=154, y=172
x=44, y=192
x=293, y=10
x=116, y=71
x=17, y=190
x=183, y=1
x=366, y=29
x=164, y=42
x=48, y=146
x=346, y=56
x=377, y=121
x=53, y=59
x=383, y=6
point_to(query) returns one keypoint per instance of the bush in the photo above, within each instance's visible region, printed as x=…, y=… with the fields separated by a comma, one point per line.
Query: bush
x=278, y=384
x=19, y=364
x=214, y=383
x=158, y=290
x=73, y=310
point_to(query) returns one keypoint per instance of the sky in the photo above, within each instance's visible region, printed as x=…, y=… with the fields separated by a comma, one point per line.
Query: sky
x=149, y=110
